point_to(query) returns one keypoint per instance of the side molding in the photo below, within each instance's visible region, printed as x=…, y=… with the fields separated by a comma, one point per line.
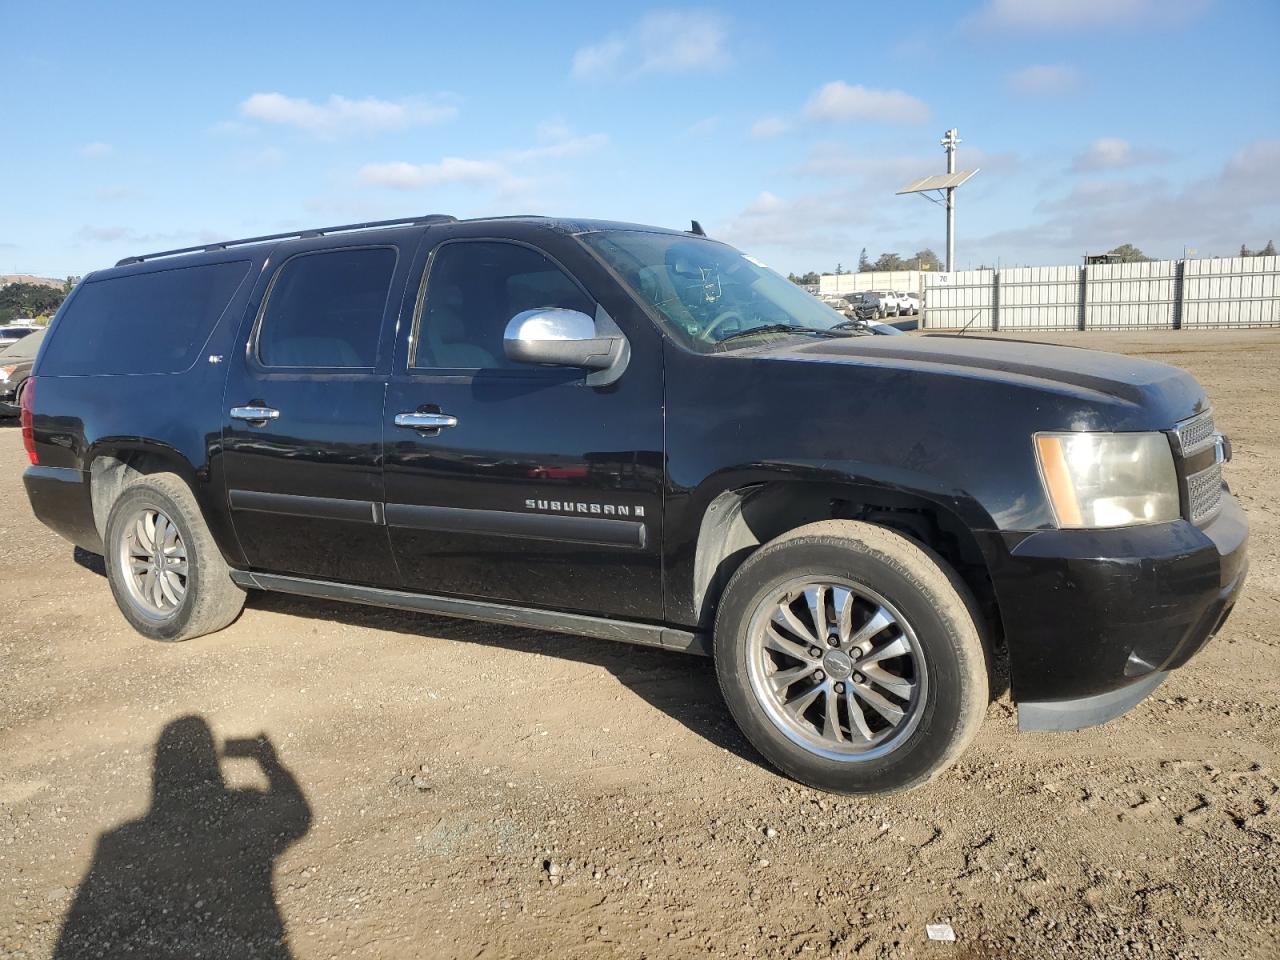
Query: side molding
x=644, y=634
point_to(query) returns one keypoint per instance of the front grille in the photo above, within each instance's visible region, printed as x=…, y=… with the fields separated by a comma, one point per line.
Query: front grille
x=1204, y=493
x=1194, y=435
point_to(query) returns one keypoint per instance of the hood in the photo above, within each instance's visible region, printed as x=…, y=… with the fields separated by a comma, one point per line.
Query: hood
x=1071, y=370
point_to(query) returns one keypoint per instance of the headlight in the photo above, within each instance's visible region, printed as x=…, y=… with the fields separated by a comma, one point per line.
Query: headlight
x=1108, y=479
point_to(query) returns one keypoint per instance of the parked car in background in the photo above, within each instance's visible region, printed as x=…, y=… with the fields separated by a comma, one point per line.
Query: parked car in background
x=871, y=305
x=889, y=301
x=15, y=368
x=912, y=302
x=11, y=333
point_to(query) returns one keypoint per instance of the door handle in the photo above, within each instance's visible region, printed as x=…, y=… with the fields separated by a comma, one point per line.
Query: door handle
x=255, y=414
x=425, y=421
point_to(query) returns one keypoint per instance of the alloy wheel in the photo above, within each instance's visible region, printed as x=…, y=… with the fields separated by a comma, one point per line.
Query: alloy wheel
x=153, y=559
x=837, y=668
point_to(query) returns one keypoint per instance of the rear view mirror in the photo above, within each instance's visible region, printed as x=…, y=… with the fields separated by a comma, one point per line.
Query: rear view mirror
x=566, y=338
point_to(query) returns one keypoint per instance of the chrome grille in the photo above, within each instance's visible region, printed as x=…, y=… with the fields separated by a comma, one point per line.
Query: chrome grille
x=1204, y=493
x=1194, y=435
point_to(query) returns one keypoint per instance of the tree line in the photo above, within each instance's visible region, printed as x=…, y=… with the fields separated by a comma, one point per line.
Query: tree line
x=22, y=300
x=926, y=259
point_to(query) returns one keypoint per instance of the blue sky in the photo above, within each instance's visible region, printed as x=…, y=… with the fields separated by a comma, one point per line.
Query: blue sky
x=782, y=128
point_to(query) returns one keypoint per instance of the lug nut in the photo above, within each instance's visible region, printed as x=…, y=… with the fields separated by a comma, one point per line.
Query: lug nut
x=815, y=652
x=819, y=676
x=858, y=678
x=839, y=688
x=834, y=641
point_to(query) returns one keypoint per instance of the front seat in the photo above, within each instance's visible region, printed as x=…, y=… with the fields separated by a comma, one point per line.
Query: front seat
x=448, y=344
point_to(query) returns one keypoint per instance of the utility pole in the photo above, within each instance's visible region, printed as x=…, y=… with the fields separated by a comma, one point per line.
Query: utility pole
x=949, y=141
x=941, y=189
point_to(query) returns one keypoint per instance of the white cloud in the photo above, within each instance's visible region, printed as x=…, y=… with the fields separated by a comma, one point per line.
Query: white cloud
x=704, y=127
x=560, y=144
x=840, y=101
x=106, y=234
x=1213, y=214
x=767, y=127
x=1045, y=80
x=663, y=41
x=112, y=235
x=343, y=116
x=268, y=158
x=450, y=170
x=115, y=194
x=556, y=141
x=1114, y=153
x=806, y=228
x=1082, y=14
x=97, y=150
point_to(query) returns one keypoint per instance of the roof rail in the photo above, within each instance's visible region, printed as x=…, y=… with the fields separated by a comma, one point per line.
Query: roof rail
x=293, y=235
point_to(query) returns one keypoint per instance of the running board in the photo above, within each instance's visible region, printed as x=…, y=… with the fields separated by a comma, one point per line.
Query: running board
x=625, y=631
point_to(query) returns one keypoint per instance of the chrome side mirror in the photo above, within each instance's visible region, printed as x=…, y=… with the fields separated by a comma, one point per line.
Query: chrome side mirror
x=567, y=338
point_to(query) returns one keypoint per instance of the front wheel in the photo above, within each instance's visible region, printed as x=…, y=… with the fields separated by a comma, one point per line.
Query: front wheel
x=850, y=656
x=167, y=574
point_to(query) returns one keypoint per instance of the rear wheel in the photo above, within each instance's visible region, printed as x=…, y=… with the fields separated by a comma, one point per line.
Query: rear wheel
x=850, y=656
x=166, y=572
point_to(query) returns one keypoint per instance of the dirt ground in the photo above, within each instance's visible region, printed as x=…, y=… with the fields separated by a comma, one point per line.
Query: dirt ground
x=339, y=781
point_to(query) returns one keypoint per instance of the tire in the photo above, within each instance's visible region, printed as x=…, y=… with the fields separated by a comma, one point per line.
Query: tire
x=940, y=684
x=189, y=599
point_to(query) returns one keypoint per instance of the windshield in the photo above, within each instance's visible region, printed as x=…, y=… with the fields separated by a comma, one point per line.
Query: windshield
x=708, y=294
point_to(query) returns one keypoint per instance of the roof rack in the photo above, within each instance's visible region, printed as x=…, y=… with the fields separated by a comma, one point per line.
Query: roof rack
x=294, y=235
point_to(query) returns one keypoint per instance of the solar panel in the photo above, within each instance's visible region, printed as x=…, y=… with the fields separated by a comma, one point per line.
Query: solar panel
x=941, y=181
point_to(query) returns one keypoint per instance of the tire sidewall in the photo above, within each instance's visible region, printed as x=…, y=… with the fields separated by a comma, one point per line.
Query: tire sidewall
x=135, y=497
x=928, y=746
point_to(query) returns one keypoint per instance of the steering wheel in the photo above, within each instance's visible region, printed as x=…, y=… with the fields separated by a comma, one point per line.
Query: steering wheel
x=720, y=319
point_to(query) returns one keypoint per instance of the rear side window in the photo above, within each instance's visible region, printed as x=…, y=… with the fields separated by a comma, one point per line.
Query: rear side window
x=144, y=323
x=325, y=309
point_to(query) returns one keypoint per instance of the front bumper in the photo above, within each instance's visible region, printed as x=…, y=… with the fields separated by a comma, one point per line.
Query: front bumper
x=1095, y=619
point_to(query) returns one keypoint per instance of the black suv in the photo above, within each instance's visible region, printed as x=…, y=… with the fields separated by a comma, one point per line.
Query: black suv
x=643, y=435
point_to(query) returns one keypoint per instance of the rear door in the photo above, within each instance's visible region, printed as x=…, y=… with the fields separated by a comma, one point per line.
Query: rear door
x=302, y=433
x=545, y=492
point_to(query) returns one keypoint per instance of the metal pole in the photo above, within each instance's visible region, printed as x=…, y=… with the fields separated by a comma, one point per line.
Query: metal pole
x=949, y=141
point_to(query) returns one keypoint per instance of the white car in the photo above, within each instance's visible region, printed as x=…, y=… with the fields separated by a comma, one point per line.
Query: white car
x=890, y=303
x=909, y=303
x=11, y=333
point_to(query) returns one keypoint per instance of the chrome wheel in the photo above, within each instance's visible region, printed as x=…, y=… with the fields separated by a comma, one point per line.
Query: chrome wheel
x=153, y=560
x=837, y=668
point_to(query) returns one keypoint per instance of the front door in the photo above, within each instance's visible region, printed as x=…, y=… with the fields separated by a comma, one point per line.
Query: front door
x=534, y=489
x=302, y=434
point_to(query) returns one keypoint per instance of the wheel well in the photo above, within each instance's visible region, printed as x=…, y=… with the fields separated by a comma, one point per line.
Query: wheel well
x=739, y=521
x=109, y=474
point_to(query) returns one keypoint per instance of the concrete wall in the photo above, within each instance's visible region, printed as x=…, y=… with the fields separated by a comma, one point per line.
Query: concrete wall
x=903, y=281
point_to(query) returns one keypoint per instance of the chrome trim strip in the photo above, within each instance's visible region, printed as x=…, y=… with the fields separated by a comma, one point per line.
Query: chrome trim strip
x=1204, y=493
x=625, y=631
x=599, y=531
x=253, y=414
x=1194, y=435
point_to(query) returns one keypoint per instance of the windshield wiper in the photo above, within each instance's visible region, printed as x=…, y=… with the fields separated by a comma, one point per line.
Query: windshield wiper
x=773, y=328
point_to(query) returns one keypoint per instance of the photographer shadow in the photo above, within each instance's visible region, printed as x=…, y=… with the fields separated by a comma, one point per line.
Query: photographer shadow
x=193, y=877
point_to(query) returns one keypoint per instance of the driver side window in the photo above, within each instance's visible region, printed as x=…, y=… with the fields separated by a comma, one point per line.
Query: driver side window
x=473, y=289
